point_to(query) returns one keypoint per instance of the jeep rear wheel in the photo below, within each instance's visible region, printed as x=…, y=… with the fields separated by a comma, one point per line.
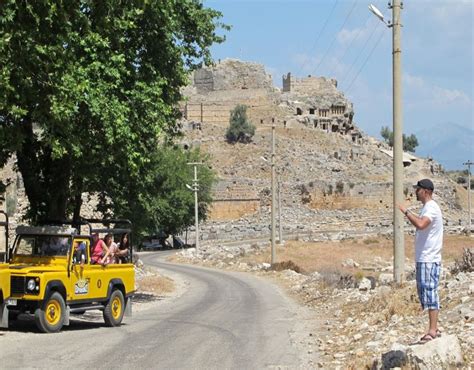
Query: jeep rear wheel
x=49, y=317
x=113, y=311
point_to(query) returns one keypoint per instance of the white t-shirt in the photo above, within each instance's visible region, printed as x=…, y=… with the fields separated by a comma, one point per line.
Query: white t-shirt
x=428, y=242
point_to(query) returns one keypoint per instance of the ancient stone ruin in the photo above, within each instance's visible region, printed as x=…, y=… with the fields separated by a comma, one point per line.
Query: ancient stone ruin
x=312, y=101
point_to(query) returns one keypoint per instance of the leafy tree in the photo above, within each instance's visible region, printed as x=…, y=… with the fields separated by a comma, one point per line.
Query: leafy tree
x=240, y=128
x=387, y=135
x=409, y=142
x=87, y=90
x=161, y=201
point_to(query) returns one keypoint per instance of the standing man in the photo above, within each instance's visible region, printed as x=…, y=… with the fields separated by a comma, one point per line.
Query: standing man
x=428, y=245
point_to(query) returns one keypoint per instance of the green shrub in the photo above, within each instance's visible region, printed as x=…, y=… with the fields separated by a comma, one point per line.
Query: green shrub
x=240, y=128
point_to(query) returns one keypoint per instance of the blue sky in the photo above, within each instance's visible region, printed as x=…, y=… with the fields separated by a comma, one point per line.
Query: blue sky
x=343, y=40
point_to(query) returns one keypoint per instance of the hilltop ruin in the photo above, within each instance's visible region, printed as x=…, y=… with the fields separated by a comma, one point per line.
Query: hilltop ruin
x=313, y=101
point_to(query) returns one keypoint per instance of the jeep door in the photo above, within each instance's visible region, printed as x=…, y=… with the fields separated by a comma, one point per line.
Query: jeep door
x=80, y=271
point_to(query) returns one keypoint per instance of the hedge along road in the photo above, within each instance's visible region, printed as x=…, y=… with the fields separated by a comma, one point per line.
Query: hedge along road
x=219, y=320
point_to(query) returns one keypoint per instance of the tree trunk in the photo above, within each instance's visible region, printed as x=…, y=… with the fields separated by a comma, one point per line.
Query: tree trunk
x=29, y=167
x=58, y=189
x=47, y=180
x=77, y=200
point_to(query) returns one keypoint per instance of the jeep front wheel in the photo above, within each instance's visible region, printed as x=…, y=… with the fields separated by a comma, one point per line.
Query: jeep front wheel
x=50, y=316
x=113, y=311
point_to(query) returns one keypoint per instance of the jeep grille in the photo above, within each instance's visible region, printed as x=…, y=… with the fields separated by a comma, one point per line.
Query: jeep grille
x=17, y=285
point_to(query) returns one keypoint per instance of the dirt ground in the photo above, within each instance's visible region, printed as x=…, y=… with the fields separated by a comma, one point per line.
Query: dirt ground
x=329, y=256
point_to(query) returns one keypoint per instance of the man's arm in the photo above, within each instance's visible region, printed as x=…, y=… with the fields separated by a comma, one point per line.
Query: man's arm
x=420, y=223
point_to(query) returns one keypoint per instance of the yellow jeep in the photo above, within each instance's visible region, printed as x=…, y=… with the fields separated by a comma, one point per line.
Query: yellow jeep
x=51, y=276
x=4, y=272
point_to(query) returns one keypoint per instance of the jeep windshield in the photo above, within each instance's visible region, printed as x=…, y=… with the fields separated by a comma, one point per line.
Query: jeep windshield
x=42, y=245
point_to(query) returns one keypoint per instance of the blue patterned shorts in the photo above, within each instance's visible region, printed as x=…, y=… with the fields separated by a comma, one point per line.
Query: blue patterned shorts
x=427, y=281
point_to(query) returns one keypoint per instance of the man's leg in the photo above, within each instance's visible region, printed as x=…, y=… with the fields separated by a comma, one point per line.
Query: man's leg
x=433, y=316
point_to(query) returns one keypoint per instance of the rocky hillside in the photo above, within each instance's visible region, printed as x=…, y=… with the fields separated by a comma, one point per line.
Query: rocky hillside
x=334, y=180
x=328, y=183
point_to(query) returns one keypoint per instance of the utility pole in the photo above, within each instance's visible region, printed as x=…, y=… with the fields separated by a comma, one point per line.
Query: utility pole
x=195, y=189
x=280, y=233
x=469, y=164
x=398, y=237
x=398, y=221
x=273, y=260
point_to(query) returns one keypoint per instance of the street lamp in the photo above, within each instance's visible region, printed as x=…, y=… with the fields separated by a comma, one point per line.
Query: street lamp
x=398, y=237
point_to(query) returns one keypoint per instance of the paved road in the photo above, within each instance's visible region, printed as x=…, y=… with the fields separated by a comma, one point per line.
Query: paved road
x=220, y=321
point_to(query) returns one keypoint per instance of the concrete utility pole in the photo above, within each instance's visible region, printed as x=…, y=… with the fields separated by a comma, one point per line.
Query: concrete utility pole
x=469, y=164
x=195, y=189
x=280, y=233
x=398, y=221
x=398, y=236
x=273, y=198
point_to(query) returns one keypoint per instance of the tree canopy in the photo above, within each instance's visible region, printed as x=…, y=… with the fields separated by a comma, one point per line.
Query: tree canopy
x=409, y=142
x=240, y=128
x=89, y=90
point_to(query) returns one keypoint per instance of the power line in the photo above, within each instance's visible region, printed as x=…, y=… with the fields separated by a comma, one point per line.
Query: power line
x=352, y=42
x=365, y=61
x=319, y=35
x=361, y=52
x=335, y=35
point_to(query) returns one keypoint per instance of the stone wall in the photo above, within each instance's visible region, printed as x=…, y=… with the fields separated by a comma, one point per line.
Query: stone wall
x=218, y=112
x=309, y=85
x=231, y=74
x=233, y=209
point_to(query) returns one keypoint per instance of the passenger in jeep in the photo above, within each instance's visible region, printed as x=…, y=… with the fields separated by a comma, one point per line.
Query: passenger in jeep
x=99, y=250
x=112, y=249
x=122, y=251
x=80, y=255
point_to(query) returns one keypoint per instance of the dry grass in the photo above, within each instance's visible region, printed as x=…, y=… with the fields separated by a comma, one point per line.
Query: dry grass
x=156, y=284
x=401, y=301
x=327, y=257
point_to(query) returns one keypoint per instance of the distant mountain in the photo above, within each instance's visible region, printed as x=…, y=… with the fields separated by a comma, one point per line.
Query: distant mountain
x=449, y=144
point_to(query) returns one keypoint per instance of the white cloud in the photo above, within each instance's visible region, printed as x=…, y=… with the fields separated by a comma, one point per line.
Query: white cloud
x=425, y=91
x=450, y=96
x=446, y=12
x=348, y=36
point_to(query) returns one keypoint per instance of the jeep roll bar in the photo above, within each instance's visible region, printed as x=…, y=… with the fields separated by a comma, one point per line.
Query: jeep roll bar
x=105, y=222
x=5, y=225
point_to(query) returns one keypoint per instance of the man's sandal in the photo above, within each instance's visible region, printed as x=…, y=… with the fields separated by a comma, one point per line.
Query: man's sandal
x=426, y=338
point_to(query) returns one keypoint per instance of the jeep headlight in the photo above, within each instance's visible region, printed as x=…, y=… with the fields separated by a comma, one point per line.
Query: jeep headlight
x=31, y=285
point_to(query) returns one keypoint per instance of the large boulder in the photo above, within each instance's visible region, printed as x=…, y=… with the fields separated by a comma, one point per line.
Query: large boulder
x=440, y=353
